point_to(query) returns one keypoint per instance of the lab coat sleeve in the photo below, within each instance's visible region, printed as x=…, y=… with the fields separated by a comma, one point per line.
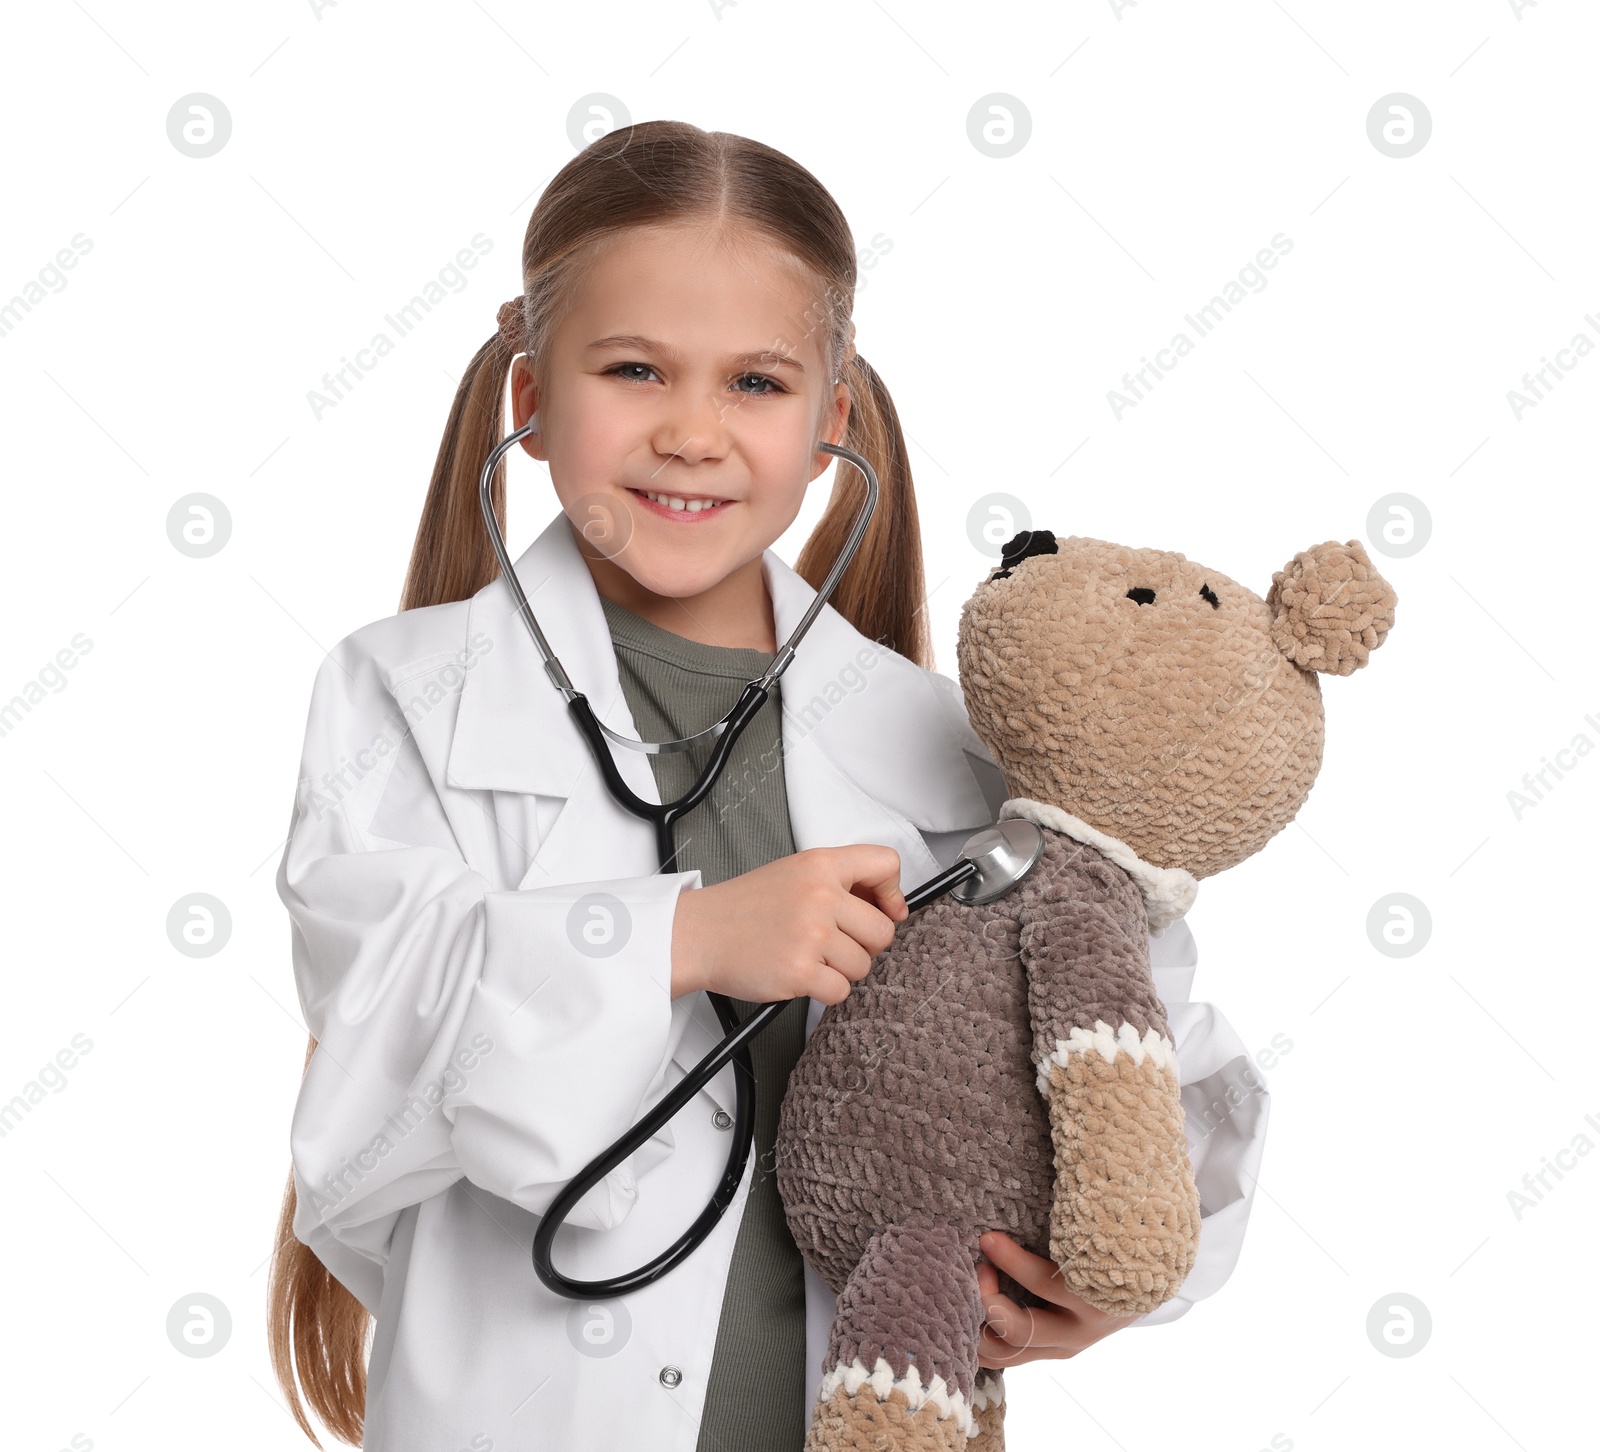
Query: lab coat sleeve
x=462, y=1031
x=1225, y=1100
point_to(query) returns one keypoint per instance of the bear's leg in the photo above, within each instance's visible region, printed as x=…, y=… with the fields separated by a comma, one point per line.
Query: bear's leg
x=989, y=1413
x=902, y=1355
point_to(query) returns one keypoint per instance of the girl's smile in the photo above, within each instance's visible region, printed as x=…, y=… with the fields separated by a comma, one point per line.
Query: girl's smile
x=679, y=508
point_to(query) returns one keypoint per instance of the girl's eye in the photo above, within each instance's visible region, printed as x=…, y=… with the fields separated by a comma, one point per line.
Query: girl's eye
x=764, y=384
x=773, y=386
x=620, y=371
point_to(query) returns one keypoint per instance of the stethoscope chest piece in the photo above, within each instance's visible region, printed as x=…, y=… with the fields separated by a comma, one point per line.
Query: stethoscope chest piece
x=1004, y=854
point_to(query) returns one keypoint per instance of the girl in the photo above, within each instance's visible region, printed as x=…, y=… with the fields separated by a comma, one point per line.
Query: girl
x=684, y=339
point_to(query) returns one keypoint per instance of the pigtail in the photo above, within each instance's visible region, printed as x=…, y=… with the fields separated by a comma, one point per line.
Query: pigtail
x=882, y=591
x=451, y=557
x=315, y=1325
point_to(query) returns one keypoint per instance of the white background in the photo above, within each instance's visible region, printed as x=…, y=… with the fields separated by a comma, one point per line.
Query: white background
x=1169, y=144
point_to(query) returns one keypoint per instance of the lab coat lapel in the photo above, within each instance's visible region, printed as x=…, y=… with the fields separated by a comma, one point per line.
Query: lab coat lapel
x=514, y=733
x=873, y=745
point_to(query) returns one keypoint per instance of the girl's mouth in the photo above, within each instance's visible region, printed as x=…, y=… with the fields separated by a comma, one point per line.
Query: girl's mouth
x=681, y=509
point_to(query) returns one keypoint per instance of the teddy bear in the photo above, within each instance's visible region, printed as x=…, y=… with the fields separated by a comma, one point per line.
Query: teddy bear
x=1009, y=1066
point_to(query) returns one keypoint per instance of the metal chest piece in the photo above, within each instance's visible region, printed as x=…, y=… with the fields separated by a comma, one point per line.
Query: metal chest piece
x=1004, y=854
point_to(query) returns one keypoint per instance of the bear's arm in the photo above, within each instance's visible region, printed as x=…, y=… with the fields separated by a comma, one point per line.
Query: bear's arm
x=1125, y=1217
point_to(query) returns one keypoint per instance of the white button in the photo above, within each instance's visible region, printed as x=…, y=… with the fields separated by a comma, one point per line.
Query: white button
x=722, y=1119
x=670, y=1376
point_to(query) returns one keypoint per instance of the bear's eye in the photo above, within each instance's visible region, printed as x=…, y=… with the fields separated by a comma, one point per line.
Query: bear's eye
x=1207, y=593
x=1142, y=596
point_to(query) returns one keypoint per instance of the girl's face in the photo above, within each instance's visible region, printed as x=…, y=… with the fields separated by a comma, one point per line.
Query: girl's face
x=690, y=368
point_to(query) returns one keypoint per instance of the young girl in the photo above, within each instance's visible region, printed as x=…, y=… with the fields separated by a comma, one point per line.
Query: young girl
x=684, y=338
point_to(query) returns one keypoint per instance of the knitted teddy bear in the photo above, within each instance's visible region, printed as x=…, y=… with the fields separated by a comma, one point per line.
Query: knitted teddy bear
x=1009, y=1066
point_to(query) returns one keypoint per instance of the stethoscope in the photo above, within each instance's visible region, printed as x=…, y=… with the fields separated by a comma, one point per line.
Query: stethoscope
x=991, y=863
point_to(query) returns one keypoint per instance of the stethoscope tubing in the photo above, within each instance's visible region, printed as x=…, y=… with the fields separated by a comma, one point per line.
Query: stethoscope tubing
x=735, y=1046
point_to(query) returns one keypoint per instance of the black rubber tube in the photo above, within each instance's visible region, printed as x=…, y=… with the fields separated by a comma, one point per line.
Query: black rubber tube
x=734, y=1046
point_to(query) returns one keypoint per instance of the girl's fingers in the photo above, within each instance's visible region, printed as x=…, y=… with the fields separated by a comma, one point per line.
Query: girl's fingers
x=1033, y=1272
x=865, y=923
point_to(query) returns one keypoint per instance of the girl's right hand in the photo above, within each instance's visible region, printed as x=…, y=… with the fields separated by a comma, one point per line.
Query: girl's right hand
x=806, y=925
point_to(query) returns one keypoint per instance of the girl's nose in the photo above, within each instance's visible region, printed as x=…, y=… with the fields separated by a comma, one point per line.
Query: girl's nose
x=696, y=428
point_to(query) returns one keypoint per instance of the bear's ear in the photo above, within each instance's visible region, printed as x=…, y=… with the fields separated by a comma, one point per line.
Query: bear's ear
x=1023, y=546
x=1330, y=608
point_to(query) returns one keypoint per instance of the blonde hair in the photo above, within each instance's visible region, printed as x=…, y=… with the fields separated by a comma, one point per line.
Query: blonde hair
x=656, y=173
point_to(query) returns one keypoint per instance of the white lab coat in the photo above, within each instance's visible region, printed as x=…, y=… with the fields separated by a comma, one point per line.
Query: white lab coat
x=474, y=1054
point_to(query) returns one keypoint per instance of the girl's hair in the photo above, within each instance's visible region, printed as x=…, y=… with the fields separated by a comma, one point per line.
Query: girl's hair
x=657, y=173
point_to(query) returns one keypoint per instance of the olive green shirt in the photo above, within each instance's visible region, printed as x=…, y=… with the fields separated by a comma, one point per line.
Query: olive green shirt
x=755, y=1399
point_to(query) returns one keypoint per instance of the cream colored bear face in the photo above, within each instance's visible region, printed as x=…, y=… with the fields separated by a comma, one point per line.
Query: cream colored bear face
x=1156, y=699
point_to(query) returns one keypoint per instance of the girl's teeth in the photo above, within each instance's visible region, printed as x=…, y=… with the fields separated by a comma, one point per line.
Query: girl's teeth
x=694, y=506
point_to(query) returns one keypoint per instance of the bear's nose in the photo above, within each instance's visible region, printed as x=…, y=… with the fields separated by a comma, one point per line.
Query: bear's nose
x=1024, y=545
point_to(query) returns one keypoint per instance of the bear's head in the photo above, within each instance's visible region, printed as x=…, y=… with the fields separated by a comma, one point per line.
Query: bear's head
x=1156, y=699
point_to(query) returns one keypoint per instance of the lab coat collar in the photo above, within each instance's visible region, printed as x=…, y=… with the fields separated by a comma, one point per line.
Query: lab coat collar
x=896, y=732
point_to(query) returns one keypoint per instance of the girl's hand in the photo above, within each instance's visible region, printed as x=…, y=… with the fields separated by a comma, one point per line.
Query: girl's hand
x=806, y=925
x=1012, y=1334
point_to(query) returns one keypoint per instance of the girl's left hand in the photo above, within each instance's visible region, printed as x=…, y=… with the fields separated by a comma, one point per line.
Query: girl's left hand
x=1012, y=1334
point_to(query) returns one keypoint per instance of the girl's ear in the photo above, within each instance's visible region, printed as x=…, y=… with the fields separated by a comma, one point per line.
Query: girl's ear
x=1330, y=608
x=524, y=406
